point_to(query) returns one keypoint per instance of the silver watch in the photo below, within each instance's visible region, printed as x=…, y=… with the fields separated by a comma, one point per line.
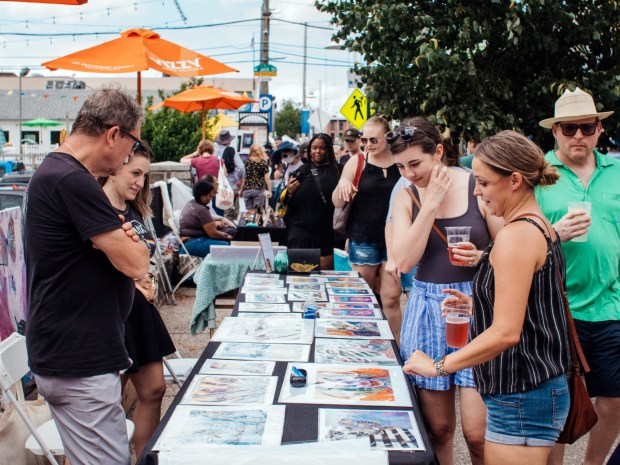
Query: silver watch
x=438, y=364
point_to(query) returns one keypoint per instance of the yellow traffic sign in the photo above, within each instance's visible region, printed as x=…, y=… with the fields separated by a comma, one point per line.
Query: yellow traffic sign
x=355, y=109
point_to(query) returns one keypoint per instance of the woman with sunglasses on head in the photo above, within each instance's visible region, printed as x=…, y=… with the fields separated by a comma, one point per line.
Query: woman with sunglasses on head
x=310, y=209
x=366, y=225
x=519, y=347
x=447, y=199
x=146, y=337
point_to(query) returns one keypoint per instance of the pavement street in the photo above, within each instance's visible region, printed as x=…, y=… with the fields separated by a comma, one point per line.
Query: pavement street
x=177, y=319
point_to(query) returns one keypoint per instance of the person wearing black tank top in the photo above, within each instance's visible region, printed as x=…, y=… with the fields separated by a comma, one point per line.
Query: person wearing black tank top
x=519, y=335
x=446, y=194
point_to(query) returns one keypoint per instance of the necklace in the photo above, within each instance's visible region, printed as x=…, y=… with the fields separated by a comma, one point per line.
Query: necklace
x=75, y=152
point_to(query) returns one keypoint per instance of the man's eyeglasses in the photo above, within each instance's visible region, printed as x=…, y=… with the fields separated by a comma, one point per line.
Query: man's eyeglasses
x=373, y=140
x=137, y=143
x=406, y=134
x=587, y=129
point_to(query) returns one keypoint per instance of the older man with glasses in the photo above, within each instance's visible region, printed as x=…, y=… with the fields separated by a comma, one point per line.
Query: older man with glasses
x=593, y=264
x=81, y=261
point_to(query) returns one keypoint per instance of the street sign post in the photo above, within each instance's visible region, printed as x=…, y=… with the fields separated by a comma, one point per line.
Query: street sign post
x=265, y=70
x=355, y=109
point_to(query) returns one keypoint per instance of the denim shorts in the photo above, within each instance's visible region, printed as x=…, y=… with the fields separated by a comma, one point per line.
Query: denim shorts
x=406, y=279
x=362, y=253
x=531, y=418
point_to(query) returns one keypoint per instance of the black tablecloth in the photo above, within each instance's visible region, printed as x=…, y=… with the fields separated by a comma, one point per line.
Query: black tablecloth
x=301, y=420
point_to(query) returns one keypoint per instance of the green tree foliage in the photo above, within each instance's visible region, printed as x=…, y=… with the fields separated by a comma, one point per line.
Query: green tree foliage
x=288, y=119
x=480, y=66
x=171, y=133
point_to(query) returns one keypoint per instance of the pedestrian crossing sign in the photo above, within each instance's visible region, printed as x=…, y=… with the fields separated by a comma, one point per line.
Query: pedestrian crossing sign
x=355, y=109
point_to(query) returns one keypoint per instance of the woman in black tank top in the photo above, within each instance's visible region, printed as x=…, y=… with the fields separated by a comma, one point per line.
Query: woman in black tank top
x=519, y=337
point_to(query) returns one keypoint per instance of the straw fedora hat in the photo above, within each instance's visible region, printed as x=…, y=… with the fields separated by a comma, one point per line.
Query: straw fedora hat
x=574, y=105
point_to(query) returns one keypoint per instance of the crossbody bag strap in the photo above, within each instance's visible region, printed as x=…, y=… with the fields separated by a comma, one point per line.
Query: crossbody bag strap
x=358, y=169
x=317, y=180
x=417, y=204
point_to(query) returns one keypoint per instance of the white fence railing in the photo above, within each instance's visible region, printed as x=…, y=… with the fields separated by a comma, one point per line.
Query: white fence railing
x=32, y=154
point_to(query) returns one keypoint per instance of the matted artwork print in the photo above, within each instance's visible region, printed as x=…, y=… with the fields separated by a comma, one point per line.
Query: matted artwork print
x=354, y=313
x=347, y=285
x=276, y=352
x=290, y=279
x=13, y=306
x=222, y=426
x=237, y=367
x=352, y=299
x=373, y=351
x=262, y=289
x=338, y=273
x=230, y=390
x=318, y=296
x=265, y=298
x=268, y=308
x=268, y=315
x=300, y=306
x=354, y=329
x=267, y=330
x=372, y=385
x=385, y=429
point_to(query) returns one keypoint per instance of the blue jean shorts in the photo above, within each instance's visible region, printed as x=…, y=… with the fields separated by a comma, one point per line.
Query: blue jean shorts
x=531, y=418
x=362, y=253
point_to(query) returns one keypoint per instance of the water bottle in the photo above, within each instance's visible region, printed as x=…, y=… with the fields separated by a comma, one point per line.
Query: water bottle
x=310, y=308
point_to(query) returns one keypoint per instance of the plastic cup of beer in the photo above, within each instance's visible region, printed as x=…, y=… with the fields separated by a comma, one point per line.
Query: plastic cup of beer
x=581, y=207
x=458, y=317
x=455, y=235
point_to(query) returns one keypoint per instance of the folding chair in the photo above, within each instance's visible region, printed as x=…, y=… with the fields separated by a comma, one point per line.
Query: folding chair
x=170, y=220
x=45, y=440
x=177, y=368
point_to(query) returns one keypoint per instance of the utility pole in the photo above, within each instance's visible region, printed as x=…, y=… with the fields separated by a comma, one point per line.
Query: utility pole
x=303, y=91
x=264, y=49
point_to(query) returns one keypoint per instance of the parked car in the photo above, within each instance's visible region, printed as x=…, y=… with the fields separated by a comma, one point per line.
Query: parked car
x=17, y=177
x=12, y=195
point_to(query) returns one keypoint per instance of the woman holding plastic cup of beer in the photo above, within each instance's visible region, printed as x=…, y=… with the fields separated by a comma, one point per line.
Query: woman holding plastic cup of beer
x=445, y=193
x=519, y=347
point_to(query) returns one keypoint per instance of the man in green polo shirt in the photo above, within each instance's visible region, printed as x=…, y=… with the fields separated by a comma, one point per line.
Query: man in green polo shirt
x=593, y=266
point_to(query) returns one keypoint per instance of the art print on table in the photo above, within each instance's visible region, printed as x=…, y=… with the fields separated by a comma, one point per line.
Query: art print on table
x=347, y=285
x=276, y=352
x=299, y=306
x=354, y=313
x=263, y=289
x=341, y=299
x=230, y=390
x=264, y=298
x=265, y=330
x=268, y=308
x=263, y=282
x=237, y=367
x=207, y=426
x=339, y=273
x=349, y=291
x=354, y=329
x=305, y=287
x=274, y=277
x=269, y=315
x=371, y=385
x=303, y=280
x=318, y=296
x=354, y=351
x=385, y=429
x=344, y=279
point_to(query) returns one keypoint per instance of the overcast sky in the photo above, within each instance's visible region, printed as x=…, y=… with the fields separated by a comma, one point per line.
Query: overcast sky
x=230, y=43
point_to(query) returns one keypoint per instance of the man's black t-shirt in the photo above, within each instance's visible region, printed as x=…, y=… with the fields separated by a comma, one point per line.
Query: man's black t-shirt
x=77, y=301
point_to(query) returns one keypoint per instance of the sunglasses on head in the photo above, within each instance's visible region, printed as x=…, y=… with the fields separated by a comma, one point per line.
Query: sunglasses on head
x=406, y=134
x=373, y=140
x=137, y=143
x=587, y=129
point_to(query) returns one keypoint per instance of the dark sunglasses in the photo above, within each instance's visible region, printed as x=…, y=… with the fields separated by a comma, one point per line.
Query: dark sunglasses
x=587, y=129
x=406, y=134
x=137, y=143
x=365, y=140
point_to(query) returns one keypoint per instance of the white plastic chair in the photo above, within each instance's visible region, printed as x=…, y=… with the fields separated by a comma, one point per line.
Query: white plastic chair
x=45, y=440
x=170, y=220
x=177, y=368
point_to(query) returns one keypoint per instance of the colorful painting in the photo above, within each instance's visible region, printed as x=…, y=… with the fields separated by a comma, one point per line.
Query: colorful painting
x=349, y=291
x=356, y=329
x=374, y=351
x=192, y=425
x=318, y=296
x=13, y=308
x=385, y=429
x=355, y=313
x=230, y=390
x=371, y=385
x=237, y=367
x=265, y=298
x=341, y=299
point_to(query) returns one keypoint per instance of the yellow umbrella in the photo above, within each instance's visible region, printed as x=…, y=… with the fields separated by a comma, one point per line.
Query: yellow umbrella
x=203, y=98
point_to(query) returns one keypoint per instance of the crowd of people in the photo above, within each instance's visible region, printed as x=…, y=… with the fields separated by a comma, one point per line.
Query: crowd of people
x=90, y=295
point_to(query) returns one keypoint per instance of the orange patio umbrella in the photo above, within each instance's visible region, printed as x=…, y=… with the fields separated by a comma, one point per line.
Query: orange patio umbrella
x=202, y=98
x=138, y=50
